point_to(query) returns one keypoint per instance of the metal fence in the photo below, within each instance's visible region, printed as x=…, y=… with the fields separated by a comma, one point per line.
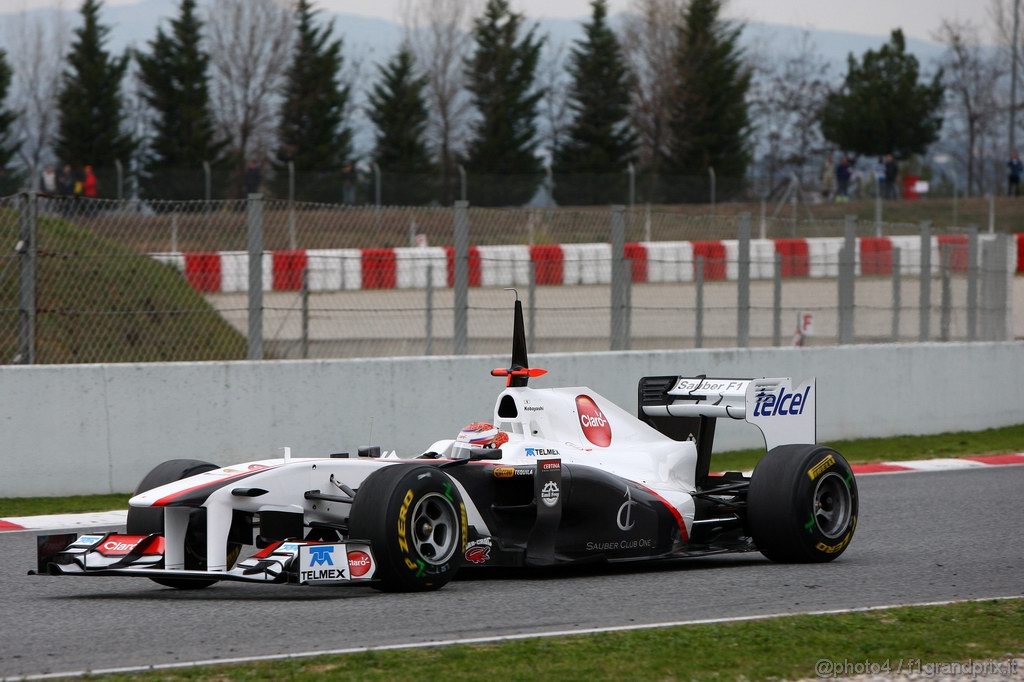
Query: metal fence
x=360, y=184
x=92, y=280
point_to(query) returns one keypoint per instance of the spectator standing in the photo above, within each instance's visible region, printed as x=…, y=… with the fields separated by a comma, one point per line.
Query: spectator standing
x=828, y=178
x=349, y=180
x=892, y=174
x=48, y=180
x=90, y=185
x=843, y=174
x=253, y=178
x=66, y=181
x=1016, y=168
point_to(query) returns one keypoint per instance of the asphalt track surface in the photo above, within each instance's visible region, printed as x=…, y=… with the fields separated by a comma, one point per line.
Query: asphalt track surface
x=922, y=537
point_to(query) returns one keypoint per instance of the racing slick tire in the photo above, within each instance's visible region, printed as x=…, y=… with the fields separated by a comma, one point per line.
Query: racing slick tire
x=147, y=520
x=802, y=504
x=415, y=520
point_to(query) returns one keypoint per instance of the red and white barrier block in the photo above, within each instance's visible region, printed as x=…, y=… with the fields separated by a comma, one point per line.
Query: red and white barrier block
x=564, y=264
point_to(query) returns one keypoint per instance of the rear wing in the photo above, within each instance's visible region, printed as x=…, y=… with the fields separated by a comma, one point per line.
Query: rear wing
x=685, y=407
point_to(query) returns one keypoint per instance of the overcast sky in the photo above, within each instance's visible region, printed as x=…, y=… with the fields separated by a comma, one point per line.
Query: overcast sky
x=918, y=18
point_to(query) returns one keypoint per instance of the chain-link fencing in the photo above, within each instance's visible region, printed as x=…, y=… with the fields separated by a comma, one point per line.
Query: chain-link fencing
x=95, y=280
x=82, y=282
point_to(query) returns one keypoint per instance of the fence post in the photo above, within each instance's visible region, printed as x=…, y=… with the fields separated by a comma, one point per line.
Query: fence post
x=878, y=206
x=461, y=254
x=1008, y=272
x=292, y=238
x=972, y=284
x=947, y=293
x=632, y=184
x=627, y=331
x=376, y=198
x=208, y=188
x=698, y=276
x=987, y=306
x=462, y=182
x=956, y=213
x=777, y=302
x=174, y=230
x=254, y=207
x=743, y=284
x=925, y=304
x=996, y=287
x=120, y=179
x=430, y=309
x=711, y=175
x=619, y=274
x=27, y=253
x=847, y=274
x=992, y=213
x=531, y=302
x=794, y=199
x=897, y=292
x=1003, y=289
x=305, y=313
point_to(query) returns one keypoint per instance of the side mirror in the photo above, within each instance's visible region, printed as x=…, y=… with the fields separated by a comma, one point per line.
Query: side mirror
x=484, y=453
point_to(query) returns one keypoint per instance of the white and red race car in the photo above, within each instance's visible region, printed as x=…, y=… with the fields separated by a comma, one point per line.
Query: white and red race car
x=574, y=478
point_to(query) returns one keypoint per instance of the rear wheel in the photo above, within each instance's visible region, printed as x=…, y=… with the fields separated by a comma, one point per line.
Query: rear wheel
x=415, y=521
x=149, y=520
x=802, y=504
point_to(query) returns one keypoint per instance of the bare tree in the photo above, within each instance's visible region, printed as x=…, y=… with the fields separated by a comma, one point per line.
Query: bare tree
x=787, y=94
x=249, y=43
x=650, y=35
x=972, y=78
x=439, y=33
x=38, y=44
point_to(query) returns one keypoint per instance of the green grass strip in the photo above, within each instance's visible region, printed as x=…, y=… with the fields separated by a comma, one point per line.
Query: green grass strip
x=74, y=504
x=779, y=648
x=993, y=441
x=899, y=448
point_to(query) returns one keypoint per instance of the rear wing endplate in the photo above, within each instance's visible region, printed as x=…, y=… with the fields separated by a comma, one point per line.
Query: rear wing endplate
x=783, y=414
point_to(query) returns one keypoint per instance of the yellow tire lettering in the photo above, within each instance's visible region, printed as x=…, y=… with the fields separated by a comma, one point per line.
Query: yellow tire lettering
x=411, y=564
x=403, y=512
x=465, y=526
x=832, y=549
x=820, y=468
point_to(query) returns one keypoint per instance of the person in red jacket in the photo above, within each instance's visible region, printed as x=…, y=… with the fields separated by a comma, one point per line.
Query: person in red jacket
x=90, y=186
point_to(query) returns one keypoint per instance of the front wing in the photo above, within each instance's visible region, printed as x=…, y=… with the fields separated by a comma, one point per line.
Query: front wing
x=294, y=562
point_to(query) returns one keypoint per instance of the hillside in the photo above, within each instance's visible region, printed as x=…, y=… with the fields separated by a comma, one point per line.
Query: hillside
x=99, y=302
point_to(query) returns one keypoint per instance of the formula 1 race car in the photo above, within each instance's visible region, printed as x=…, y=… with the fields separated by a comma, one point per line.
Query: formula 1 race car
x=565, y=477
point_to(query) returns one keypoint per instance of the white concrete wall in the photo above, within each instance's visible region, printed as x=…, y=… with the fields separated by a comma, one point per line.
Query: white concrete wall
x=99, y=428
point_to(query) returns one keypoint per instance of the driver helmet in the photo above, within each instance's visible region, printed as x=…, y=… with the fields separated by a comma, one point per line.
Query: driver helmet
x=481, y=435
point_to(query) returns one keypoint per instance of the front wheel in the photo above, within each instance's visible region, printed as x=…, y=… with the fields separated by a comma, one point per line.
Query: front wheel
x=415, y=521
x=802, y=504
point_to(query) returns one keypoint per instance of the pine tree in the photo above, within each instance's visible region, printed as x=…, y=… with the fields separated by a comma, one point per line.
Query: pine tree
x=399, y=110
x=601, y=142
x=710, y=124
x=501, y=76
x=175, y=83
x=7, y=146
x=89, y=103
x=882, y=107
x=312, y=134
